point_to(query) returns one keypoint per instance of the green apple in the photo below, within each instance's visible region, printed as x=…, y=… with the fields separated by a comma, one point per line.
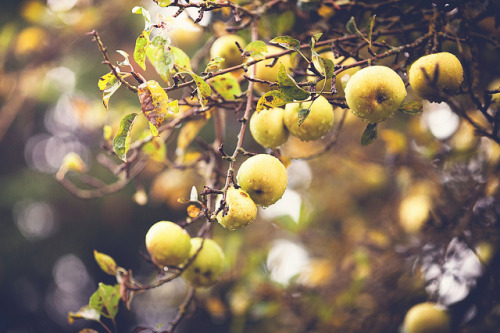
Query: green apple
x=264, y=178
x=434, y=74
x=374, y=93
x=267, y=127
x=426, y=318
x=225, y=47
x=318, y=122
x=168, y=244
x=264, y=72
x=208, y=265
x=241, y=210
x=346, y=74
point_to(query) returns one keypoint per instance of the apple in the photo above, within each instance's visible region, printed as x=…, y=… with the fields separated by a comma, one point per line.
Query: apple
x=264, y=72
x=318, y=122
x=264, y=178
x=374, y=93
x=241, y=210
x=338, y=80
x=426, y=318
x=425, y=83
x=225, y=47
x=267, y=127
x=208, y=265
x=168, y=244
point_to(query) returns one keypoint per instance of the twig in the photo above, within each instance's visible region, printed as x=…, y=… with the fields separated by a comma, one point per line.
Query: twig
x=182, y=310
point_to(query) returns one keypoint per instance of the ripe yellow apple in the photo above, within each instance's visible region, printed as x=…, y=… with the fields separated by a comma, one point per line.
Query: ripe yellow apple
x=338, y=80
x=374, y=93
x=426, y=318
x=168, y=244
x=264, y=72
x=318, y=122
x=264, y=178
x=423, y=80
x=267, y=127
x=241, y=210
x=208, y=265
x=225, y=47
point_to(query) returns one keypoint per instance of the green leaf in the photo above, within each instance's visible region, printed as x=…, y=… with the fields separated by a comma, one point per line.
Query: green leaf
x=181, y=59
x=160, y=56
x=156, y=150
x=214, y=64
x=313, y=41
x=163, y=3
x=303, y=114
x=411, y=108
x=226, y=85
x=86, y=312
x=352, y=28
x=272, y=99
x=285, y=22
x=287, y=42
x=256, y=49
x=125, y=62
x=108, y=84
x=105, y=262
x=369, y=135
x=121, y=142
x=141, y=44
x=105, y=300
x=154, y=103
x=153, y=129
x=145, y=14
x=289, y=87
x=203, y=89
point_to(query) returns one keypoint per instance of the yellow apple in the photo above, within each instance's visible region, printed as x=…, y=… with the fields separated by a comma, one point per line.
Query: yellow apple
x=208, y=265
x=264, y=72
x=435, y=75
x=225, y=47
x=318, y=122
x=426, y=318
x=374, y=93
x=168, y=244
x=267, y=127
x=241, y=210
x=264, y=178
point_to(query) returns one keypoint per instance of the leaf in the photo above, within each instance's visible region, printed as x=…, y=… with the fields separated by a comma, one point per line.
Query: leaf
x=156, y=149
x=86, y=312
x=285, y=22
x=108, y=84
x=163, y=3
x=181, y=59
x=314, y=39
x=272, y=99
x=141, y=45
x=371, y=24
x=125, y=62
x=411, y=108
x=256, y=49
x=154, y=103
x=160, y=56
x=188, y=133
x=203, y=89
x=121, y=142
x=287, y=42
x=303, y=114
x=153, y=129
x=227, y=86
x=145, y=14
x=88, y=330
x=352, y=28
x=105, y=300
x=289, y=87
x=369, y=135
x=214, y=64
x=105, y=262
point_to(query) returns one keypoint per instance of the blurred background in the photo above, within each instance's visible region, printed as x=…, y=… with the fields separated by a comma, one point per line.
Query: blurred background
x=361, y=234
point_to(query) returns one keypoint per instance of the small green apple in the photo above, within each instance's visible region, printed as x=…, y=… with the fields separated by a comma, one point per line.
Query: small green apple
x=168, y=244
x=426, y=318
x=264, y=178
x=267, y=127
x=208, y=265
x=264, y=72
x=318, y=122
x=241, y=210
x=434, y=74
x=225, y=47
x=374, y=93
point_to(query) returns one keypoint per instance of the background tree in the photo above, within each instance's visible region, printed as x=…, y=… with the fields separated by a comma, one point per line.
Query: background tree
x=389, y=206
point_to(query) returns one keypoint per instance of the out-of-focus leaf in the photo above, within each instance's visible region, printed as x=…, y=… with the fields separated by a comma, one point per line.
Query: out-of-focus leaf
x=88, y=330
x=369, y=135
x=145, y=14
x=272, y=99
x=214, y=64
x=188, y=133
x=141, y=44
x=156, y=149
x=105, y=262
x=160, y=56
x=226, y=85
x=289, y=87
x=86, y=312
x=154, y=103
x=105, y=300
x=163, y=3
x=411, y=108
x=108, y=84
x=181, y=59
x=285, y=22
x=256, y=49
x=122, y=140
